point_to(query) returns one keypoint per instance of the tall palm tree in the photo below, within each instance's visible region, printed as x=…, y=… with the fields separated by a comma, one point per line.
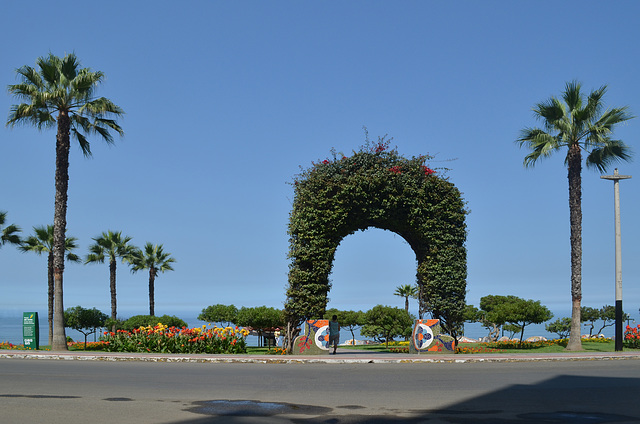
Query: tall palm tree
x=406, y=291
x=577, y=124
x=42, y=242
x=8, y=234
x=58, y=92
x=155, y=260
x=111, y=245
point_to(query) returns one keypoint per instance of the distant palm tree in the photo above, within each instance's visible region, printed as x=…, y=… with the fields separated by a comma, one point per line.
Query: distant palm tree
x=155, y=260
x=406, y=291
x=579, y=124
x=110, y=246
x=58, y=93
x=40, y=243
x=8, y=234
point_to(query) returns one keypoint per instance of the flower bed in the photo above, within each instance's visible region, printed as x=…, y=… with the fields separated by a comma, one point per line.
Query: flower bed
x=480, y=349
x=632, y=337
x=163, y=339
x=90, y=345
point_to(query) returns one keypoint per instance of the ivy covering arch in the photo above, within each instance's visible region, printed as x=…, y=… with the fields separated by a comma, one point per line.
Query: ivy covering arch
x=376, y=187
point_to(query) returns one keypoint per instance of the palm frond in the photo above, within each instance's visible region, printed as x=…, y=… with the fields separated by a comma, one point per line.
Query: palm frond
x=100, y=107
x=614, y=116
x=541, y=144
x=94, y=258
x=611, y=152
x=572, y=96
x=85, y=84
x=594, y=104
x=41, y=242
x=69, y=66
x=32, y=244
x=549, y=112
x=26, y=114
x=70, y=243
x=110, y=123
x=72, y=257
x=85, y=146
x=9, y=234
x=30, y=76
x=25, y=91
x=49, y=70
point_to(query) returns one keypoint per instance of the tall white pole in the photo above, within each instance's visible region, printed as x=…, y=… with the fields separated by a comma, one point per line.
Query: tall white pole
x=616, y=207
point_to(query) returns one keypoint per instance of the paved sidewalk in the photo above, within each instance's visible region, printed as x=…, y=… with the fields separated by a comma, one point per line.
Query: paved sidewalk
x=348, y=356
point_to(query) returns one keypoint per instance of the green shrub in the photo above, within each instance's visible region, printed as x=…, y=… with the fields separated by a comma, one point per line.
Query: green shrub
x=138, y=321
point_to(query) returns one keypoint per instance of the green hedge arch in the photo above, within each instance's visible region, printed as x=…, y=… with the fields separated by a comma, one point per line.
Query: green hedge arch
x=376, y=187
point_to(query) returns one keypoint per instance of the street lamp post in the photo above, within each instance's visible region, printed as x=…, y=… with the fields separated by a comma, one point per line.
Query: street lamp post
x=616, y=199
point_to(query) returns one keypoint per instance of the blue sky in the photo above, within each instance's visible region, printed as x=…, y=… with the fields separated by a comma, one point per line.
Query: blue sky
x=225, y=101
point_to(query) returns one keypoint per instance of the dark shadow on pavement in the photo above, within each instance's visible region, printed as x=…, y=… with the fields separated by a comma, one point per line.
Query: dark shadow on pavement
x=563, y=399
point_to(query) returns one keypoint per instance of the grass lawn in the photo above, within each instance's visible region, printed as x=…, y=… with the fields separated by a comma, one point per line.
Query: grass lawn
x=471, y=348
x=608, y=346
x=466, y=348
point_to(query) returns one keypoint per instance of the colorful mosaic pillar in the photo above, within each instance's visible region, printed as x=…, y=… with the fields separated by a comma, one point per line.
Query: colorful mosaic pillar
x=315, y=340
x=426, y=338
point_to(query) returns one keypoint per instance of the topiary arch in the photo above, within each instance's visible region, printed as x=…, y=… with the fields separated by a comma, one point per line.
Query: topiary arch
x=376, y=187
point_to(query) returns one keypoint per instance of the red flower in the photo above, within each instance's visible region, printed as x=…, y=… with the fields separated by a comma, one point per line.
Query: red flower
x=428, y=171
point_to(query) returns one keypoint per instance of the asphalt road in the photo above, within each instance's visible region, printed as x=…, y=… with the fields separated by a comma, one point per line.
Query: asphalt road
x=58, y=391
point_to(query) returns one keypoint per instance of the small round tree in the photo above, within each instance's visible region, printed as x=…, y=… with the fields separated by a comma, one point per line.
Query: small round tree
x=85, y=321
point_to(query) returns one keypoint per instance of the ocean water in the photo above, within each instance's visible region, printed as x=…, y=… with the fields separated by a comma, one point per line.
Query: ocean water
x=11, y=331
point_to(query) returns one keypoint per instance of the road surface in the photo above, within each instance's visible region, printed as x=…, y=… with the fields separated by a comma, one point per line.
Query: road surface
x=59, y=391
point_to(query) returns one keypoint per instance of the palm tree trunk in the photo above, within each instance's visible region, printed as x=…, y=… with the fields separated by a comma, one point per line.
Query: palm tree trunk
x=152, y=277
x=112, y=286
x=50, y=293
x=574, y=160
x=59, y=340
x=406, y=303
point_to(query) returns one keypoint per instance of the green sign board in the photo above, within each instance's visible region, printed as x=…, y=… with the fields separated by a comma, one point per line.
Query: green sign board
x=30, y=330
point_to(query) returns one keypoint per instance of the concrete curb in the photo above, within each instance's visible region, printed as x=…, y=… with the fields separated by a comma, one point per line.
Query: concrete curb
x=348, y=357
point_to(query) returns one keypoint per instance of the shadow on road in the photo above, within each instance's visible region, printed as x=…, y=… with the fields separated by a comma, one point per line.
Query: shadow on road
x=563, y=399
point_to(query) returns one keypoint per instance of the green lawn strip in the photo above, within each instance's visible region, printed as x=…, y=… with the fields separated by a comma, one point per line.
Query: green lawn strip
x=608, y=346
x=554, y=348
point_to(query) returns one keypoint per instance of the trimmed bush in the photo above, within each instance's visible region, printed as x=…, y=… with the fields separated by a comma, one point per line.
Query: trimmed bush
x=138, y=321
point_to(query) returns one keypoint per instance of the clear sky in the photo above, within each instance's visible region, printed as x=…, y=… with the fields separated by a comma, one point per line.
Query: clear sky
x=225, y=101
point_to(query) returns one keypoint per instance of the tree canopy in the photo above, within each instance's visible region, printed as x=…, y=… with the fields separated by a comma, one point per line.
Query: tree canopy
x=496, y=311
x=384, y=323
x=349, y=320
x=260, y=318
x=561, y=327
x=86, y=321
x=224, y=314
